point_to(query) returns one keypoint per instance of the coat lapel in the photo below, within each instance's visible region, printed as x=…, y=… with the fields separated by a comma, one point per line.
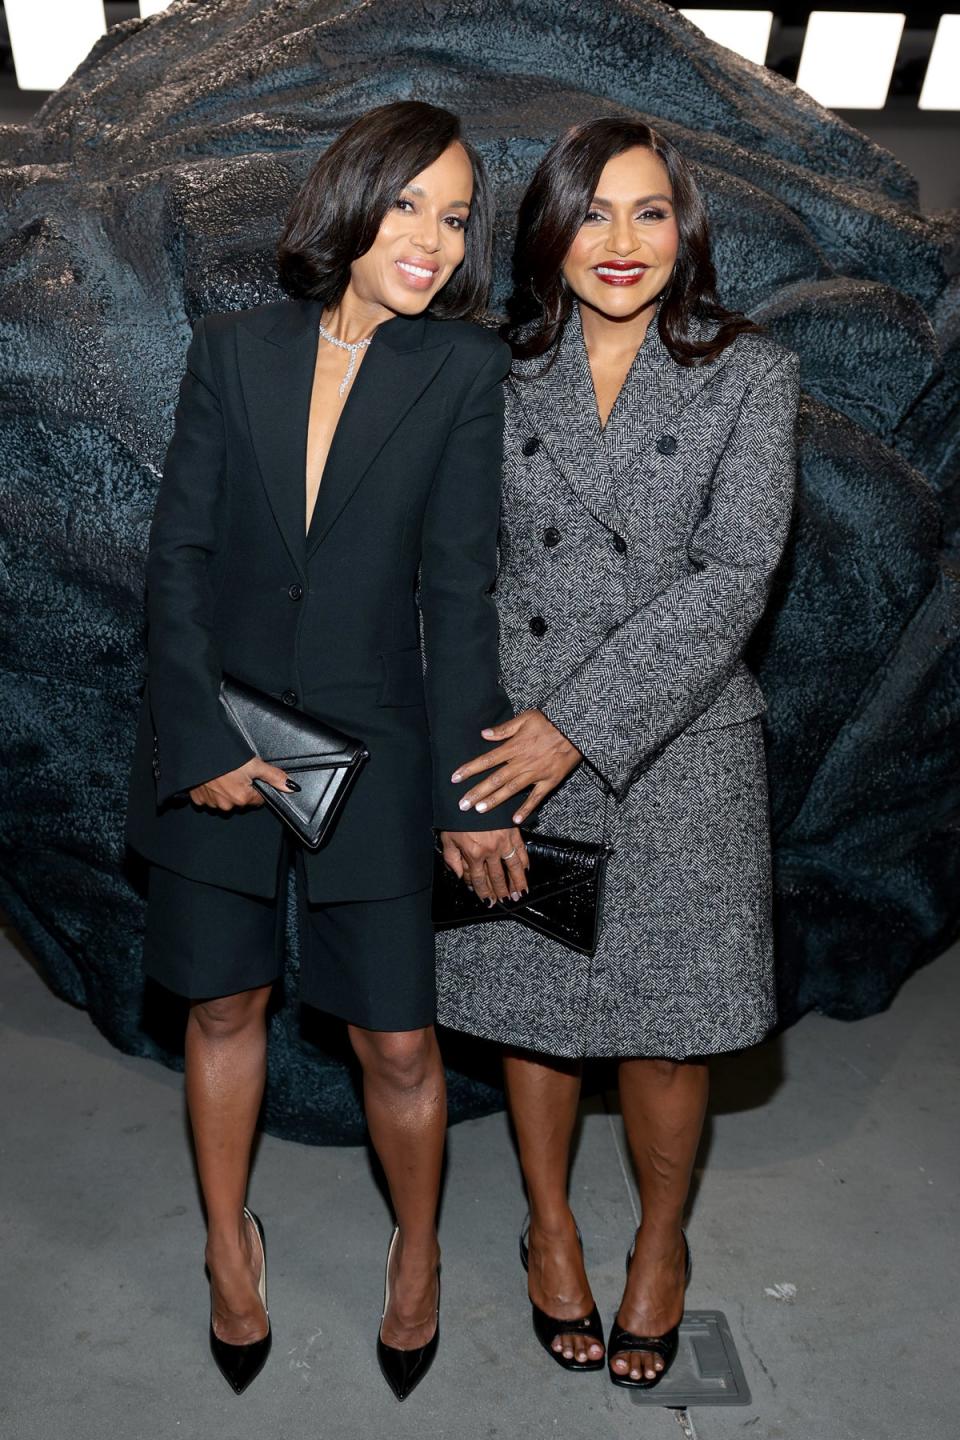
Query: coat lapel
x=560, y=405
x=655, y=391
x=276, y=375
x=395, y=372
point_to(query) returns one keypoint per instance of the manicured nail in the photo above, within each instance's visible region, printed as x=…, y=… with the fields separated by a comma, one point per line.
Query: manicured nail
x=482, y=805
x=455, y=777
x=464, y=804
x=517, y=819
x=292, y=785
x=487, y=734
x=515, y=895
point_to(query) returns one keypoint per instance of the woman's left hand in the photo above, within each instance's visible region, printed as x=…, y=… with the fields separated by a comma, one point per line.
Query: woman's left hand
x=534, y=754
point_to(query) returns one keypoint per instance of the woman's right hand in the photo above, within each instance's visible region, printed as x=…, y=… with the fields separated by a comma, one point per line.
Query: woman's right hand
x=234, y=791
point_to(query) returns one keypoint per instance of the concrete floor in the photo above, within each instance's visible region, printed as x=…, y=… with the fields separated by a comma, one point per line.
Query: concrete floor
x=825, y=1227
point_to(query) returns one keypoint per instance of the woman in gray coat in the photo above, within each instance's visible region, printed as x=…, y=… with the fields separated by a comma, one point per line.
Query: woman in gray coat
x=648, y=487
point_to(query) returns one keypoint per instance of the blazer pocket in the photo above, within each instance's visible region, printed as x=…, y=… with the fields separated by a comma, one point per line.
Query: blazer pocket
x=742, y=699
x=401, y=677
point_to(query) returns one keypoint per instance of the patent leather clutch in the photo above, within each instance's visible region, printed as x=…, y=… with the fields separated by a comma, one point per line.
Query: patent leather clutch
x=565, y=899
x=321, y=760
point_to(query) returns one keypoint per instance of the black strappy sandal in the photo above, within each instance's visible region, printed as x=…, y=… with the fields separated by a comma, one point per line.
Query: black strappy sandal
x=547, y=1327
x=666, y=1346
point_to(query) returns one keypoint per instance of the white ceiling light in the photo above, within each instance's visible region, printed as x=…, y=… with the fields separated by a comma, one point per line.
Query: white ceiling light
x=941, y=84
x=745, y=32
x=152, y=7
x=49, y=38
x=848, y=58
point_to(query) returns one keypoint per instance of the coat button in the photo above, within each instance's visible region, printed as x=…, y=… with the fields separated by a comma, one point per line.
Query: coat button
x=619, y=544
x=295, y=592
x=551, y=536
x=667, y=444
x=289, y=697
x=531, y=446
x=538, y=625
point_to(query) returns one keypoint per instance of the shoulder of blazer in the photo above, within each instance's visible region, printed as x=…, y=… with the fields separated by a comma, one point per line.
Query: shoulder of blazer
x=258, y=318
x=473, y=344
x=753, y=354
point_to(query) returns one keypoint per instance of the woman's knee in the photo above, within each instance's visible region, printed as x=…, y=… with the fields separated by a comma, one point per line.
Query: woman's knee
x=402, y=1060
x=225, y=1016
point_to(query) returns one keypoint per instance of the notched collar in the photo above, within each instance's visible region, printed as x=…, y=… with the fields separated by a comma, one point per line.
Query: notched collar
x=561, y=406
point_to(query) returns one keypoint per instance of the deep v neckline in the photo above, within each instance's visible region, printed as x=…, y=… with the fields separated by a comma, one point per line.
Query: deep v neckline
x=311, y=519
x=645, y=351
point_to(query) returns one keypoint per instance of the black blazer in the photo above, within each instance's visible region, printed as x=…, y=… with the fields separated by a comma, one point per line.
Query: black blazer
x=328, y=622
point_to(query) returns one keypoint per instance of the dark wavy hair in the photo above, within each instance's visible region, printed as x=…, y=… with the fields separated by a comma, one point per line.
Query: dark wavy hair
x=552, y=211
x=337, y=213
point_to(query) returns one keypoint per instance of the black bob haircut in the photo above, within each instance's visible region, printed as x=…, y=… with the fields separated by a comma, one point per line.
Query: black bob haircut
x=337, y=213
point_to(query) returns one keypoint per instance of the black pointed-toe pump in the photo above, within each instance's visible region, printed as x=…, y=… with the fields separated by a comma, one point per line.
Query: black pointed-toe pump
x=666, y=1346
x=404, y=1369
x=548, y=1327
x=241, y=1364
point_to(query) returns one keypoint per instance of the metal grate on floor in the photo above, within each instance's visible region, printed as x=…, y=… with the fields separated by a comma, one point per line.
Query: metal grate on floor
x=707, y=1370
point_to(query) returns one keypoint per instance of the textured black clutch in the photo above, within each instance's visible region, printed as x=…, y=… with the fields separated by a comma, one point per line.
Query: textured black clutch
x=321, y=760
x=565, y=899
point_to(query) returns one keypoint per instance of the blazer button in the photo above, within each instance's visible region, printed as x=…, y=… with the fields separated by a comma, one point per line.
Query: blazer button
x=551, y=536
x=289, y=697
x=619, y=544
x=295, y=592
x=531, y=446
x=538, y=625
x=667, y=444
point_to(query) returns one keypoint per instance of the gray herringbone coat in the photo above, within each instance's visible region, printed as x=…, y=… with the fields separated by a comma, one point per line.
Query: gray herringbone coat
x=636, y=560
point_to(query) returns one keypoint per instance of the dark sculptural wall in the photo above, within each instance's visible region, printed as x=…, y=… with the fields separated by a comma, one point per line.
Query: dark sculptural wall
x=151, y=188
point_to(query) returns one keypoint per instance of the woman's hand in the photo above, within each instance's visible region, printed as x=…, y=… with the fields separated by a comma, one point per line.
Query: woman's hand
x=235, y=791
x=485, y=859
x=534, y=754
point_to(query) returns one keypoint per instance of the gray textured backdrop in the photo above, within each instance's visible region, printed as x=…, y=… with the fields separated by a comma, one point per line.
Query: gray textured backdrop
x=151, y=188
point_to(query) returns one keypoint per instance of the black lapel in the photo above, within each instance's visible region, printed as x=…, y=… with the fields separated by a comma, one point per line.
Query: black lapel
x=276, y=374
x=399, y=365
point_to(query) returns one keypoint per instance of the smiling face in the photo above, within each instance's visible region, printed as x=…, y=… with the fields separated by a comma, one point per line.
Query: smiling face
x=421, y=239
x=624, y=252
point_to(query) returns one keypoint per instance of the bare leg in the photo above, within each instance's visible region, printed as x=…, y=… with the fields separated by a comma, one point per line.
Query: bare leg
x=543, y=1096
x=663, y=1108
x=405, y=1097
x=226, y=1062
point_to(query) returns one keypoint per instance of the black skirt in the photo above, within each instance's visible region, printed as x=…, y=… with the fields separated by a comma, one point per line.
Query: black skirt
x=370, y=962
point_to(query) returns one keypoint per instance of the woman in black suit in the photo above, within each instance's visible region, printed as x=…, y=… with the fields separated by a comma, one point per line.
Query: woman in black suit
x=327, y=451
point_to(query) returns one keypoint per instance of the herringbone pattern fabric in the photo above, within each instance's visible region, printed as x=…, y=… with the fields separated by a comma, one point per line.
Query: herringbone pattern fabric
x=635, y=562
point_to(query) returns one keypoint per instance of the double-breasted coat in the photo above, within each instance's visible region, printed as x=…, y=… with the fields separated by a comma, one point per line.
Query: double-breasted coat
x=330, y=620
x=635, y=560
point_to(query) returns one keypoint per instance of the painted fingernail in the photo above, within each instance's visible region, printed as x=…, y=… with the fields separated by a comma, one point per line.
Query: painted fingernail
x=482, y=805
x=515, y=895
x=464, y=804
x=292, y=785
x=487, y=734
x=517, y=819
x=455, y=777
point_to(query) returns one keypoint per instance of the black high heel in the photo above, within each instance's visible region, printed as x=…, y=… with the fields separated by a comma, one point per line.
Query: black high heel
x=666, y=1346
x=548, y=1327
x=241, y=1364
x=404, y=1369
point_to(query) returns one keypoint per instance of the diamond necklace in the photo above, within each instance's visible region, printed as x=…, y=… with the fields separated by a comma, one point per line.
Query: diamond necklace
x=354, y=349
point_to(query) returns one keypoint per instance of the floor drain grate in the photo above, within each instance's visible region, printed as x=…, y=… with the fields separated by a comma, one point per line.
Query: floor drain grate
x=707, y=1370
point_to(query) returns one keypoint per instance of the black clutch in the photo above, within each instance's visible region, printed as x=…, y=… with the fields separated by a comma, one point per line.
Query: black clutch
x=565, y=899
x=320, y=759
